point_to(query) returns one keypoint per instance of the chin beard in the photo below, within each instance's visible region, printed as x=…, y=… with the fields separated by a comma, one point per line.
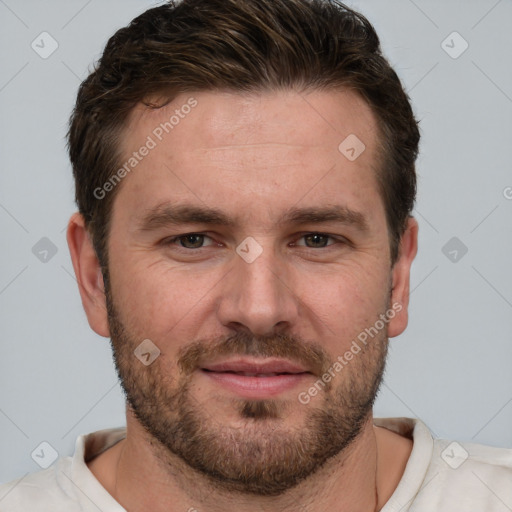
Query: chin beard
x=265, y=457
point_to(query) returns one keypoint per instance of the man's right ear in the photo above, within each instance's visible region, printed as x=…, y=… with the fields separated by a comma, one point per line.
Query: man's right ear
x=88, y=275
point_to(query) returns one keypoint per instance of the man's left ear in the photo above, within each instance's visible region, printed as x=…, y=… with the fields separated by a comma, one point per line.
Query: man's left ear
x=401, y=275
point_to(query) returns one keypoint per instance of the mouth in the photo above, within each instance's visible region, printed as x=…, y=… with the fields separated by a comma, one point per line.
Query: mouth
x=257, y=379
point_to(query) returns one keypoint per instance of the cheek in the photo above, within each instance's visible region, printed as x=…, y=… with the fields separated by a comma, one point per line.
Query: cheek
x=158, y=300
x=349, y=300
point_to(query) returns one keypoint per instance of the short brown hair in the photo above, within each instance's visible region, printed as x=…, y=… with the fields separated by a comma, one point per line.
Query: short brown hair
x=238, y=45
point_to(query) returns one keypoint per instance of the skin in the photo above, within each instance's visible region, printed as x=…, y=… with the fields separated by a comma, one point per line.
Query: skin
x=254, y=157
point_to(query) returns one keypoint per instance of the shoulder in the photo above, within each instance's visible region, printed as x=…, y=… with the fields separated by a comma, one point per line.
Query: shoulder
x=68, y=484
x=444, y=475
x=467, y=476
x=455, y=460
x=44, y=491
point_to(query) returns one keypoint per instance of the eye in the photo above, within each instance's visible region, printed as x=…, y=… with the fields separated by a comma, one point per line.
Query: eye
x=317, y=240
x=191, y=241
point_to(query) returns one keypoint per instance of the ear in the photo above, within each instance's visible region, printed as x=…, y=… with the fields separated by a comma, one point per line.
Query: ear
x=88, y=275
x=401, y=274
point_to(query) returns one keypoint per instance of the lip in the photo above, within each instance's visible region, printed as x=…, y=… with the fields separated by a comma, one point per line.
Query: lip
x=257, y=379
x=261, y=366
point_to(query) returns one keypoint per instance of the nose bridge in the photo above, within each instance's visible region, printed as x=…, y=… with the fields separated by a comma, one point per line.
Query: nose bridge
x=258, y=296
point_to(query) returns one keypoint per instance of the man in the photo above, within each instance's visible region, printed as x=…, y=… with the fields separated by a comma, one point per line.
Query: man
x=245, y=179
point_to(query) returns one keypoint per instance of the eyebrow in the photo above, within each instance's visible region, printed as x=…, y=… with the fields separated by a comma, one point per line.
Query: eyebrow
x=165, y=215
x=174, y=214
x=320, y=214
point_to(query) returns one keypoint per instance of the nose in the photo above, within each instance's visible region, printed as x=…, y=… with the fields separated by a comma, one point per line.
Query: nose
x=258, y=296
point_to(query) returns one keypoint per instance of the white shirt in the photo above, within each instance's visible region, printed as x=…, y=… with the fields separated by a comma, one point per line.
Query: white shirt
x=440, y=476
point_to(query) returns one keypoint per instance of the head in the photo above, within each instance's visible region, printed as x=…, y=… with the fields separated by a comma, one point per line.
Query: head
x=245, y=178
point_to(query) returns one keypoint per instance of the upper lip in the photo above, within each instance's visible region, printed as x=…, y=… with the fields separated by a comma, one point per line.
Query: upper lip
x=255, y=366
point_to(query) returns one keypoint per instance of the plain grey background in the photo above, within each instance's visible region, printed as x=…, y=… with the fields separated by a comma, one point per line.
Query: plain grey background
x=451, y=368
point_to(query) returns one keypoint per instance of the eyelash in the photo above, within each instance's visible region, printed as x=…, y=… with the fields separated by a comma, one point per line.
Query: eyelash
x=176, y=239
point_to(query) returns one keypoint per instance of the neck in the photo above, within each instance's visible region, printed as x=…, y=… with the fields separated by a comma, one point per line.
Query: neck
x=362, y=478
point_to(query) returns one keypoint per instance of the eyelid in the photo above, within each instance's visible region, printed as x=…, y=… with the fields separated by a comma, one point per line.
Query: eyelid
x=174, y=239
x=337, y=239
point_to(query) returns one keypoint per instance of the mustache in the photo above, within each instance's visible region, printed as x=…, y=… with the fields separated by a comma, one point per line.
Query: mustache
x=310, y=355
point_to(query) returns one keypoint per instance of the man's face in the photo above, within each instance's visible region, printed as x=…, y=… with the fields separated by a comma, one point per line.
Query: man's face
x=252, y=303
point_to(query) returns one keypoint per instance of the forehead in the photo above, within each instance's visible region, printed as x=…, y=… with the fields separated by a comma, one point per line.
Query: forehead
x=221, y=118
x=271, y=149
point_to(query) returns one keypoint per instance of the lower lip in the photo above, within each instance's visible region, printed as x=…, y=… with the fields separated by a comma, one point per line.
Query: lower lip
x=257, y=387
